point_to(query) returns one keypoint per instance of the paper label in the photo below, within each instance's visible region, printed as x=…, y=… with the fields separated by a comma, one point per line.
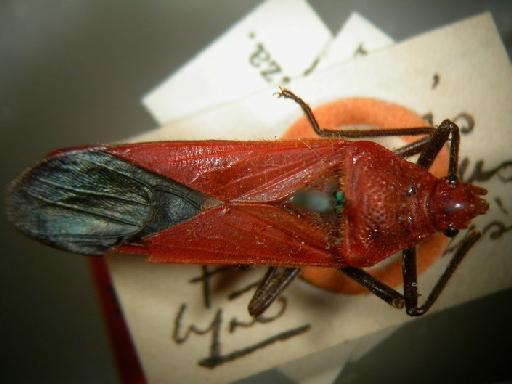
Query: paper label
x=357, y=37
x=444, y=73
x=257, y=52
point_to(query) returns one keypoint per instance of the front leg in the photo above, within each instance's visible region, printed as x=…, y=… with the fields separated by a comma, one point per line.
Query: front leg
x=410, y=276
x=410, y=297
x=350, y=133
x=429, y=148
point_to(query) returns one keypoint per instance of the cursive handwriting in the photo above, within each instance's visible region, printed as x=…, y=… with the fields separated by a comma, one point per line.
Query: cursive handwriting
x=494, y=229
x=465, y=121
x=216, y=356
x=269, y=69
x=479, y=174
x=435, y=80
x=235, y=323
x=360, y=50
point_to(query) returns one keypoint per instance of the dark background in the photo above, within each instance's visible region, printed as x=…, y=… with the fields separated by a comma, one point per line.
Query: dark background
x=73, y=72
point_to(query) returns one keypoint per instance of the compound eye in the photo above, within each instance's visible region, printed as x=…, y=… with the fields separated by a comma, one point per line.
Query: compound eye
x=411, y=190
x=451, y=232
x=453, y=180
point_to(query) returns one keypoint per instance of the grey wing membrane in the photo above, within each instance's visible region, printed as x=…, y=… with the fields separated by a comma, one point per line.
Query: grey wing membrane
x=88, y=201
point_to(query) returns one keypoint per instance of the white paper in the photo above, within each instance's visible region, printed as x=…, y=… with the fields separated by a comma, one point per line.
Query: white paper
x=277, y=41
x=357, y=37
x=464, y=53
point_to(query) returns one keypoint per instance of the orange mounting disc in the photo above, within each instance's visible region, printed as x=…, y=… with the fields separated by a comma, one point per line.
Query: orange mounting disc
x=378, y=114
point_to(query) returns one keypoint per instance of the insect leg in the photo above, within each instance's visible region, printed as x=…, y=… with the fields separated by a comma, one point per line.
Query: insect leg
x=378, y=288
x=352, y=133
x=447, y=131
x=410, y=296
x=410, y=276
x=273, y=283
x=413, y=148
x=428, y=148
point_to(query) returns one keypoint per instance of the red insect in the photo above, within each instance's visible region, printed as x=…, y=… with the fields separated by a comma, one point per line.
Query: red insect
x=313, y=202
